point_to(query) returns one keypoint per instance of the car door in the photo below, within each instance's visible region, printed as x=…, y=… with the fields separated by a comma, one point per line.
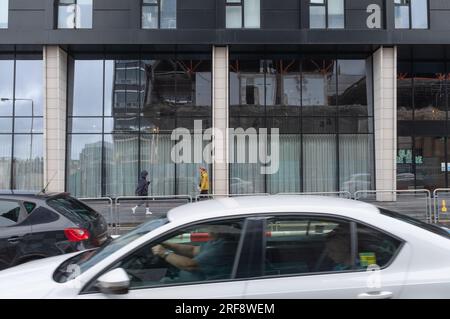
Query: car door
x=215, y=247
x=327, y=257
x=13, y=235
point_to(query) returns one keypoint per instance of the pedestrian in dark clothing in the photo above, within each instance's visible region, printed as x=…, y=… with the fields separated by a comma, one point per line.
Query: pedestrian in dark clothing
x=142, y=190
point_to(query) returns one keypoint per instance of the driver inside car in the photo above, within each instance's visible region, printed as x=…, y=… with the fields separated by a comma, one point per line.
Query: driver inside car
x=212, y=260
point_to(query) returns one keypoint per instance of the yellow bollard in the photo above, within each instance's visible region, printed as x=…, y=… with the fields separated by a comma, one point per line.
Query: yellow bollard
x=444, y=206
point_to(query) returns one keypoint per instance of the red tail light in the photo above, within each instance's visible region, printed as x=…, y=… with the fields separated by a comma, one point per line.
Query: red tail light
x=76, y=234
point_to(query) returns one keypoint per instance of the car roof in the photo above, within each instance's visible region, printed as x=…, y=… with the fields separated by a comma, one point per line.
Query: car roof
x=269, y=204
x=21, y=195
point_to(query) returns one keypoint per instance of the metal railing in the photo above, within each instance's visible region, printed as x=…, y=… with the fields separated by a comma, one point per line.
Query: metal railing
x=212, y=196
x=128, y=209
x=441, y=198
x=415, y=202
x=343, y=194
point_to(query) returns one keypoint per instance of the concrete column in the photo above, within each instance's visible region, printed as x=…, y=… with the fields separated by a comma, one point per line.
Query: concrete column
x=385, y=112
x=55, y=105
x=220, y=180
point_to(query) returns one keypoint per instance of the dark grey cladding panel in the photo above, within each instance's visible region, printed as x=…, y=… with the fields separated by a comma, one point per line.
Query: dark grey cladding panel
x=439, y=20
x=357, y=19
x=196, y=4
x=28, y=4
x=111, y=19
x=362, y=4
x=439, y=4
x=280, y=19
x=112, y=4
x=280, y=5
x=26, y=20
x=196, y=19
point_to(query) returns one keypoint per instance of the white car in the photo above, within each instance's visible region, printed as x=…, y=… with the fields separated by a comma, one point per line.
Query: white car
x=253, y=247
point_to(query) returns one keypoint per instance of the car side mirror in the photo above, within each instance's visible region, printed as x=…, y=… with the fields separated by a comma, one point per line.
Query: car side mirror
x=114, y=282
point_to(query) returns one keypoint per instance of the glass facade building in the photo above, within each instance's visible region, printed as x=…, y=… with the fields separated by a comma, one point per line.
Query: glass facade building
x=21, y=121
x=324, y=112
x=121, y=117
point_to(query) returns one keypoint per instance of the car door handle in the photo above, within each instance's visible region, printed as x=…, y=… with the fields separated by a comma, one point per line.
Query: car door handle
x=14, y=240
x=376, y=295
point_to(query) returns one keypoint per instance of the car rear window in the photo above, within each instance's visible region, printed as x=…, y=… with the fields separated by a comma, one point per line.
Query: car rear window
x=72, y=208
x=429, y=227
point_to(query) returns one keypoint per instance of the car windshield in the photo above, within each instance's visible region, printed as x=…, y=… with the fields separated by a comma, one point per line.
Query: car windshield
x=80, y=263
x=432, y=228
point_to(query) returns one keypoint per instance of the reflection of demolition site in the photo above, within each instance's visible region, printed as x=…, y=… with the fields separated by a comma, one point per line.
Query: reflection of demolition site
x=159, y=95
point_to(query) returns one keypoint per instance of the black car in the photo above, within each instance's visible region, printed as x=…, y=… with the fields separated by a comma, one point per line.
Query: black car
x=44, y=225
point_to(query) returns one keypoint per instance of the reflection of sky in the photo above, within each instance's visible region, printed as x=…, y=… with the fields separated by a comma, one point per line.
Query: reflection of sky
x=29, y=85
x=88, y=88
x=22, y=146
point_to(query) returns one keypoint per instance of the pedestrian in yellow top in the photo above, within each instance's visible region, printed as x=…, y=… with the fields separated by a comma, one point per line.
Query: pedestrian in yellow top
x=204, y=181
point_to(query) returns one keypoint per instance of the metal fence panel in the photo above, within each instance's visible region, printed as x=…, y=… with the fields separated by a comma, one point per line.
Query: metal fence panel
x=132, y=210
x=214, y=196
x=441, y=201
x=343, y=194
x=414, y=203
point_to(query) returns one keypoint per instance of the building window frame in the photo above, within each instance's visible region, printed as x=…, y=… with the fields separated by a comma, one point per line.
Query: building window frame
x=76, y=15
x=408, y=4
x=241, y=4
x=156, y=4
x=325, y=4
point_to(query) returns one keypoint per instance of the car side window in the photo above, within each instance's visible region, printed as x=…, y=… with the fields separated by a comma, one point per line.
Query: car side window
x=200, y=253
x=307, y=245
x=375, y=248
x=9, y=213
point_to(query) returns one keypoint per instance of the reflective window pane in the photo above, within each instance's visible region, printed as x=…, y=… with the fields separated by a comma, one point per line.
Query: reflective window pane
x=252, y=13
x=429, y=91
x=28, y=162
x=4, y=13
x=430, y=155
x=6, y=87
x=317, y=18
x=121, y=164
x=150, y=17
x=168, y=14
x=5, y=125
x=88, y=88
x=233, y=17
x=29, y=86
x=84, y=14
x=5, y=161
x=319, y=87
x=85, y=165
x=28, y=125
x=404, y=91
x=287, y=178
x=319, y=163
x=353, y=91
x=356, y=162
x=86, y=125
x=66, y=16
x=402, y=17
x=156, y=159
x=419, y=14
x=405, y=163
x=336, y=18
